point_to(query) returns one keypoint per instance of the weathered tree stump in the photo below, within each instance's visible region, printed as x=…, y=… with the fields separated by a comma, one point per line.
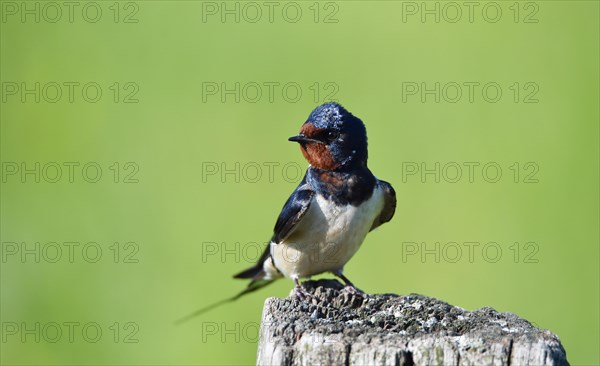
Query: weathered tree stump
x=339, y=328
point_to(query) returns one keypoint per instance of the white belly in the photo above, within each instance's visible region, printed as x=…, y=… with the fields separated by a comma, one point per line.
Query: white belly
x=326, y=237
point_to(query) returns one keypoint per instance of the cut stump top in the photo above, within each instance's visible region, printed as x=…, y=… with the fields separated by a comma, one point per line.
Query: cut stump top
x=336, y=327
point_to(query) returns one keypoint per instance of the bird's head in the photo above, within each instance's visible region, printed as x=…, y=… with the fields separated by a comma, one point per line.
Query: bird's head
x=333, y=139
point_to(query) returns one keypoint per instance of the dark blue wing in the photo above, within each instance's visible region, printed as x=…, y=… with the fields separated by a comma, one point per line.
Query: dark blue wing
x=293, y=210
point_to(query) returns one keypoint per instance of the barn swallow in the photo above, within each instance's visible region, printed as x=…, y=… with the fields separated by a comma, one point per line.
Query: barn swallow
x=327, y=217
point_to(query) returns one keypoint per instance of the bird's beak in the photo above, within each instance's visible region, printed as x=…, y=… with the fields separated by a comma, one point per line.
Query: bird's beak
x=302, y=139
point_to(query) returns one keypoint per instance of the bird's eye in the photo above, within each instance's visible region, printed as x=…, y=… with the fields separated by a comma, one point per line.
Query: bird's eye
x=332, y=135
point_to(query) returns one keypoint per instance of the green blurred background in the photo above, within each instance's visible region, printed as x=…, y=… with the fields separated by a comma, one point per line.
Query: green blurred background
x=184, y=223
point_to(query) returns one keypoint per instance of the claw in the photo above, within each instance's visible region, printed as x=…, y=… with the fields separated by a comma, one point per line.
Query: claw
x=353, y=290
x=300, y=291
x=349, y=286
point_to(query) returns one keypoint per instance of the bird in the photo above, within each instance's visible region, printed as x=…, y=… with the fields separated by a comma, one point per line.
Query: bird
x=327, y=217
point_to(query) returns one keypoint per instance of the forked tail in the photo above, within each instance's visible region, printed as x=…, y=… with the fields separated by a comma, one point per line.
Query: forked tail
x=258, y=282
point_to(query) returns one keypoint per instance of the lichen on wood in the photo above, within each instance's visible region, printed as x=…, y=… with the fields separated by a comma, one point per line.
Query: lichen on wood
x=338, y=327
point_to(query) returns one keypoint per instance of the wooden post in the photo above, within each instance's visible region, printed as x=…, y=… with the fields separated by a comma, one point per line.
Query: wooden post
x=339, y=328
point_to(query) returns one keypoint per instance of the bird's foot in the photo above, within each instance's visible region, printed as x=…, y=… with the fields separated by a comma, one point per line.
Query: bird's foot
x=301, y=293
x=354, y=290
x=348, y=285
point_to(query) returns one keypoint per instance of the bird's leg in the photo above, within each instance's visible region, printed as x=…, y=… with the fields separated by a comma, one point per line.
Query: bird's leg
x=348, y=284
x=300, y=291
